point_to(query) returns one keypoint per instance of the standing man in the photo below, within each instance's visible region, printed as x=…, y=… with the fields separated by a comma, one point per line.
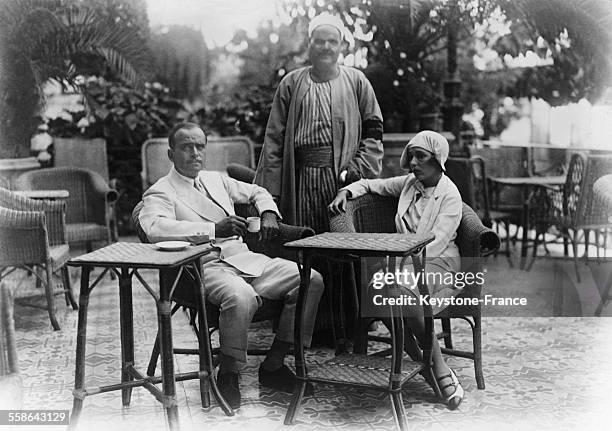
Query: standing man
x=324, y=131
x=190, y=202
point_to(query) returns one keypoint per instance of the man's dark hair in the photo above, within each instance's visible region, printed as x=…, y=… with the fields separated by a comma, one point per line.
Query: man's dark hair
x=183, y=125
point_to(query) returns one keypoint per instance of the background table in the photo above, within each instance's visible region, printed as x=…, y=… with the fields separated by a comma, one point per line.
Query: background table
x=527, y=185
x=357, y=369
x=125, y=259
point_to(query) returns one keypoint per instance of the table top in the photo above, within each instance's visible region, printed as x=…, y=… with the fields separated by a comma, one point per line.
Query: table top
x=530, y=181
x=138, y=255
x=44, y=194
x=364, y=243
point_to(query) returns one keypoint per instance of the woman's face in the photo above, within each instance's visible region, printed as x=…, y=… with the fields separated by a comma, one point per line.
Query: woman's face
x=424, y=166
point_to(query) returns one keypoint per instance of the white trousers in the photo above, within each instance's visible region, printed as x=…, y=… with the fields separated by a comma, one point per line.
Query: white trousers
x=238, y=297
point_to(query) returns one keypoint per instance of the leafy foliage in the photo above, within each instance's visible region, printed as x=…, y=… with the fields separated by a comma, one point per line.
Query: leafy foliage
x=59, y=40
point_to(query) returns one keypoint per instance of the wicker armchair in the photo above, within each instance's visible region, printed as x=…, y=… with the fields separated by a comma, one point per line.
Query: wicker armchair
x=184, y=293
x=573, y=208
x=374, y=213
x=603, y=197
x=88, y=206
x=32, y=236
x=10, y=380
x=470, y=177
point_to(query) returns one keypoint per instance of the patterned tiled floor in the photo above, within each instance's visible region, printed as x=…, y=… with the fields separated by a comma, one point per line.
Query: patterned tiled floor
x=542, y=373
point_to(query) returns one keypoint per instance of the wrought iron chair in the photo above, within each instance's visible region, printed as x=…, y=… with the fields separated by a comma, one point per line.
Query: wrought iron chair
x=573, y=207
x=183, y=295
x=32, y=236
x=88, y=206
x=374, y=213
x=11, y=386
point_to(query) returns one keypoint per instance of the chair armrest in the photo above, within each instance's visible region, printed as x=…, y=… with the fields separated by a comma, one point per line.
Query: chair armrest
x=240, y=172
x=23, y=237
x=99, y=186
x=55, y=212
x=99, y=198
x=473, y=238
x=275, y=248
x=343, y=222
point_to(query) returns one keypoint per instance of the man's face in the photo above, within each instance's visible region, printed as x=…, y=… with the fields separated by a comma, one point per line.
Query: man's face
x=188, y=152
x=325, y=46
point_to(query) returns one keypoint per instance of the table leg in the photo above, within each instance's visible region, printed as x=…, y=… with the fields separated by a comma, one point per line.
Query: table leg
x=298, y=343
x=164, y=320
x=79, y=374
x=126, y=321
x=206, y=363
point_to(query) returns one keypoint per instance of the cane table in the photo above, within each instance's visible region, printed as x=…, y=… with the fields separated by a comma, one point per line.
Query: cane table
x=126, y=259
x=358, y=369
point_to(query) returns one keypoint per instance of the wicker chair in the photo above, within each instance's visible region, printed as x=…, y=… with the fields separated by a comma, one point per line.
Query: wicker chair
x=87, y=154
x=11, y=391
x=470, y=177
x=220, y=152
x=374, y=213
x=88, y=206
x=573, y=207
x=603, y=196
x=184, y=292
x=32, y=236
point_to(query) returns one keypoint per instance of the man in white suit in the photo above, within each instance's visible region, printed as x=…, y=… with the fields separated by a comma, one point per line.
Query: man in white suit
x=189, y=203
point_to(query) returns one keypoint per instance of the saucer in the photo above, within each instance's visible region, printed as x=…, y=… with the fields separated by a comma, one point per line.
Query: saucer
x=172, y=245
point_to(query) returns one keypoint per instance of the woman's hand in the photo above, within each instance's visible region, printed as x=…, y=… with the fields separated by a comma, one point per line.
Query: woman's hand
x=338, y=205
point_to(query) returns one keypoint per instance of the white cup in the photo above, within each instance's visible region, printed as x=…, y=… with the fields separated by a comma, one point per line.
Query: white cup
x=254, y=224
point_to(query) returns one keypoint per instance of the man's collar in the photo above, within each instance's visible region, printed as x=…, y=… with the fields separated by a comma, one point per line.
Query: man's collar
x=188, y=180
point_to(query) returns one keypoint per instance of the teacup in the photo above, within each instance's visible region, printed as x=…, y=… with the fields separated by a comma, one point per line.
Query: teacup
x=254, y=224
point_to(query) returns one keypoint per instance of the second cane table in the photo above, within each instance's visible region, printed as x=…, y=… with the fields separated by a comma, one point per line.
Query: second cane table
x=357, y=369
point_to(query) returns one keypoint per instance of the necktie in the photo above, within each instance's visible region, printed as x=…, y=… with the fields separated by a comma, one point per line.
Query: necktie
x=200, y=188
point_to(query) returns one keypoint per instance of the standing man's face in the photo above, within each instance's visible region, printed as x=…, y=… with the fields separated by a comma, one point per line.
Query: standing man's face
x=188, y=154
x=325, y=46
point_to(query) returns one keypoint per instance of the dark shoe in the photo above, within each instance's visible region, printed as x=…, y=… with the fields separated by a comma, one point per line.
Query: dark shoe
x=283, y=380
x=229, y=388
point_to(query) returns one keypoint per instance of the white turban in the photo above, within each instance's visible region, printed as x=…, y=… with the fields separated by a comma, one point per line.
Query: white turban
x=326, y=19
x=431, y=141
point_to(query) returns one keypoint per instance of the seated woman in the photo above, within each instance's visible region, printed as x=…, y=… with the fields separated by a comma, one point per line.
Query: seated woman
x=428, y=202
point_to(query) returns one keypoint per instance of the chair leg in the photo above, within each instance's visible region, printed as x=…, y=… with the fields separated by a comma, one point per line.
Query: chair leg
x=605, y=296
x=477, y=344
x=399, y=412
x=154, y=357
x=587, y=234
x=448, y=336
x=535, y=248
x=508, y=253
x=68, y=289
x=50, y=297
x=575, y=250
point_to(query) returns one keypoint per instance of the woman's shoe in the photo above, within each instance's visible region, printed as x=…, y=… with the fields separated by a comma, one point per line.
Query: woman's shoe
x=454, y=399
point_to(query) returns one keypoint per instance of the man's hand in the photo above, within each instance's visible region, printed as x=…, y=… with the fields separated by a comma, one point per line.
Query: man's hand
x=229, y=226
x=338, y=205
x=269, y=226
